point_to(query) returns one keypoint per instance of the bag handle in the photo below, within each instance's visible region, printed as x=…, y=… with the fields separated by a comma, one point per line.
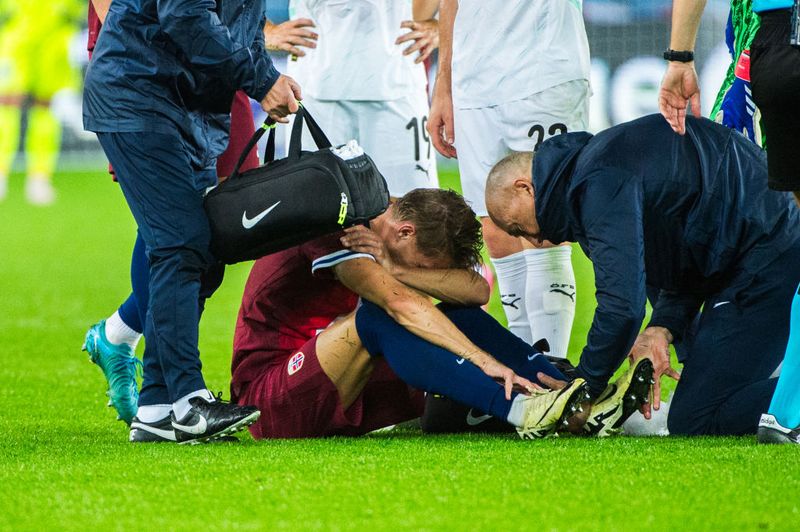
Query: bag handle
x=269, y=154
x=295, y=145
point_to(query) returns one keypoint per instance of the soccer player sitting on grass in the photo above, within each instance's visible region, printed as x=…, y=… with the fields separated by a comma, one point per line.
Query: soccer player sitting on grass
x=339, y=337
x=689, y=215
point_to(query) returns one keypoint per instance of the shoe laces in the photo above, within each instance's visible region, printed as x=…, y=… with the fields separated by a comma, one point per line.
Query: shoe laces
x=218, y=397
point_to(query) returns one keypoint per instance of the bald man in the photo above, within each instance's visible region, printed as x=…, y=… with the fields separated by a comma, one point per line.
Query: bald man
x=690, y=216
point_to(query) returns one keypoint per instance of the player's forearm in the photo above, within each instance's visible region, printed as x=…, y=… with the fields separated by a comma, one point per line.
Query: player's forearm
x=460, y=287
x=418, y=315
x=424, y=9
x=410, y=309
x=447, y=18
x=101, y=8
x=686, y=16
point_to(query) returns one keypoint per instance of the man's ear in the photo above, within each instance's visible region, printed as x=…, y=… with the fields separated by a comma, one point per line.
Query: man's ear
x=405, y=230
x=523, y=186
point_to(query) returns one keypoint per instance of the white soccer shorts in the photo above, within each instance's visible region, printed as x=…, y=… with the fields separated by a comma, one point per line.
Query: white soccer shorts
x=391, y=132
x=485, y=135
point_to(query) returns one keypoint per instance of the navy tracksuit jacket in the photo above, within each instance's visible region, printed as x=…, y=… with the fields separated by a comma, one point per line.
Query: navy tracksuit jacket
x=158, y=93
x=690, y=216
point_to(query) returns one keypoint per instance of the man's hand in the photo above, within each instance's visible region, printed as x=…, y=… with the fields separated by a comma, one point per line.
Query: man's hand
x=679, y=87
x=425, y=35
x=289, y=35
x=281, y=100
x=653, y=343
x=362, y=239
x=502, y=374
x=440, y=119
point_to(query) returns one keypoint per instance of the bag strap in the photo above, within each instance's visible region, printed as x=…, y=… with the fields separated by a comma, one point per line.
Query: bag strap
x=269, y=154
x=295, y=145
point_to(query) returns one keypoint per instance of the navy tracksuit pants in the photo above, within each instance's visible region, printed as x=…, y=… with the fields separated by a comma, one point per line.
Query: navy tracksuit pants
x=736, y=344
x=165, y=195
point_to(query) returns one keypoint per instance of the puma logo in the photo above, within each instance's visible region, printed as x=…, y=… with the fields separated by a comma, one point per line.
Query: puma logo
x=560, y=291
x=512, y=303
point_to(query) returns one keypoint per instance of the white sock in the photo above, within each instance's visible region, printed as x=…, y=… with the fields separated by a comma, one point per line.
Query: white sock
x=637, y=425
x=153, y=413
x=516, y=416
x=511, y=274
x=550, y=296
x=118, y=332
x=181, y=407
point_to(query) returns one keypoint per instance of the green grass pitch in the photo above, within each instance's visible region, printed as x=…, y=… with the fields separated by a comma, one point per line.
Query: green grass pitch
x=65, y=463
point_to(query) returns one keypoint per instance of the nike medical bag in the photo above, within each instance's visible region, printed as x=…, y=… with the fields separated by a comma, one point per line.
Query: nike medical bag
x=293, y=200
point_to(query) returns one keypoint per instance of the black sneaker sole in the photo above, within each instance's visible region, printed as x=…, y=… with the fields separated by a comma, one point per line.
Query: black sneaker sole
x=770, y=436
x=638, y=393
x=225, y=433
x=156, y=432
x=144, y=436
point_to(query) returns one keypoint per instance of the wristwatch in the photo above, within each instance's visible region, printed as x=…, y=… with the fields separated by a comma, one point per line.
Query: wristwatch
x=682, y=56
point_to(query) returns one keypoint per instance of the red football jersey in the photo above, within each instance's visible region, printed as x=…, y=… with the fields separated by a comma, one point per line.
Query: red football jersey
x=94, y=28
x=289, y=297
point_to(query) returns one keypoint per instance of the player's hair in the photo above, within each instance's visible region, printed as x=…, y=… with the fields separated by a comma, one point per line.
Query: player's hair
x=446, y=226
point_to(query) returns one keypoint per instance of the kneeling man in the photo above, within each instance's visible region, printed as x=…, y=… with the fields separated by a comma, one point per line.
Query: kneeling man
x=339, y=337
x=689, y=218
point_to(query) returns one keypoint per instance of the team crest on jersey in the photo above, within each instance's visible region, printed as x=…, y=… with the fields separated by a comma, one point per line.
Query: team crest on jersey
x=296, y=362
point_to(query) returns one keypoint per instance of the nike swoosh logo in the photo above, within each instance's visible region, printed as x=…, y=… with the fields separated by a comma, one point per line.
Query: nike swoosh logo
x=721, y=303
x=198, y=428
x=249, y=223
x=166, y=434
x=476, y=420
x=531, y=357
x=460, y=361
x=602, y=416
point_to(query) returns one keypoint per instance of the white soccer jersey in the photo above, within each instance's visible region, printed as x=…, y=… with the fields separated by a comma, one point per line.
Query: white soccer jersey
x=506, y=50
x=356, y=57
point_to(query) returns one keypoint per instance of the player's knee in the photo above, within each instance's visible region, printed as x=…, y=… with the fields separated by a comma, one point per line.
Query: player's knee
x=685, y=418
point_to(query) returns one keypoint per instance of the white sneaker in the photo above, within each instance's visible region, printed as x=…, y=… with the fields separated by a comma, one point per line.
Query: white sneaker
x=39, y=192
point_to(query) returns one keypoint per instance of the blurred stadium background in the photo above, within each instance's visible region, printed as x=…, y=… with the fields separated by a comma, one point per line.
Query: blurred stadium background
x=627, y=38
x=65, y=464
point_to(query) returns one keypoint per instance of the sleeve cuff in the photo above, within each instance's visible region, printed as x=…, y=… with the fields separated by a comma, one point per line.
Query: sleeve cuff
x=332, y=259
x=272, y=76
x=674, y=325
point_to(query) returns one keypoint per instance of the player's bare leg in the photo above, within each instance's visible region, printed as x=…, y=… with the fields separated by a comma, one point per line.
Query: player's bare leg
x=343, y=359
